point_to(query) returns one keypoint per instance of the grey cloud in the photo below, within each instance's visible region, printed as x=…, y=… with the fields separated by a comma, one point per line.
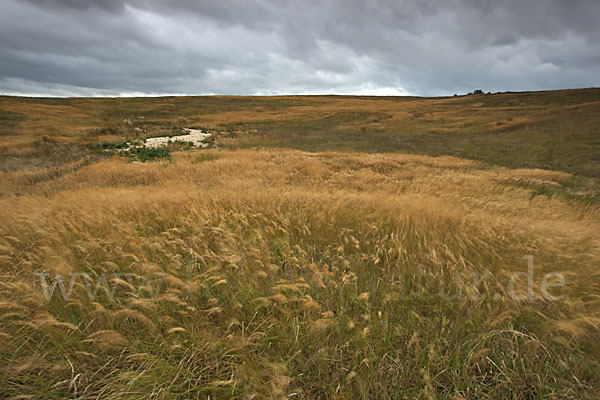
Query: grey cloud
x=112, y=6
x=268, y=46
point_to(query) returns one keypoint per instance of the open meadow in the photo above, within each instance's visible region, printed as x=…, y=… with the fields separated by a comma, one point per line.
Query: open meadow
x=319, y=247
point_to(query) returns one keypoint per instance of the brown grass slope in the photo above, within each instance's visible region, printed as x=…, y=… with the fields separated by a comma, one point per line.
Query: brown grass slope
x=265, y=272
x=268, y=274
x=551, y=130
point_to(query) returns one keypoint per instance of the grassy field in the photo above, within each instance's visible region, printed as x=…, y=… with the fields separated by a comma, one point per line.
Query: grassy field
x=323, y=247
x=557, y=130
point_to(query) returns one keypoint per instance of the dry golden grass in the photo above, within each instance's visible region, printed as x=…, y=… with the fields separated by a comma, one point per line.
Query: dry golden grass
x=552, y=130
x=276, y=274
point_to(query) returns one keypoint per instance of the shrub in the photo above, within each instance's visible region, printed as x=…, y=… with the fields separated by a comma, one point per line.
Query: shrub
x=144, y=154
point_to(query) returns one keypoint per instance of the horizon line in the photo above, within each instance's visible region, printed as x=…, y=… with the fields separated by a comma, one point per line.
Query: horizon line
x=136, y=95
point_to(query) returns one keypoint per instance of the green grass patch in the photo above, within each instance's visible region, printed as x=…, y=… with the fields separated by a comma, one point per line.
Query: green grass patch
x=146, y=154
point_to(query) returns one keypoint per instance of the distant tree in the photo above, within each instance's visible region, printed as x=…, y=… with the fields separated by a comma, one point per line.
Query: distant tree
x=478, y=91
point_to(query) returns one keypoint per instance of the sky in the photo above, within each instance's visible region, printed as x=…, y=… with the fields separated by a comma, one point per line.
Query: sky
x=273, y=47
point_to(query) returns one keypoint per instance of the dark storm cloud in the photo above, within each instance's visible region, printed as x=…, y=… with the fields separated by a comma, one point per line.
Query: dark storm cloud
x=77, y=47
x=106, y=5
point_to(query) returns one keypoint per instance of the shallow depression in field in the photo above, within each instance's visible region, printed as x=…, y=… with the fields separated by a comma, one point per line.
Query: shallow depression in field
x=194, y=136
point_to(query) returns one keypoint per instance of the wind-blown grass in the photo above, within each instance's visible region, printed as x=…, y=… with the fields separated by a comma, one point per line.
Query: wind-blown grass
x=275, y=274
